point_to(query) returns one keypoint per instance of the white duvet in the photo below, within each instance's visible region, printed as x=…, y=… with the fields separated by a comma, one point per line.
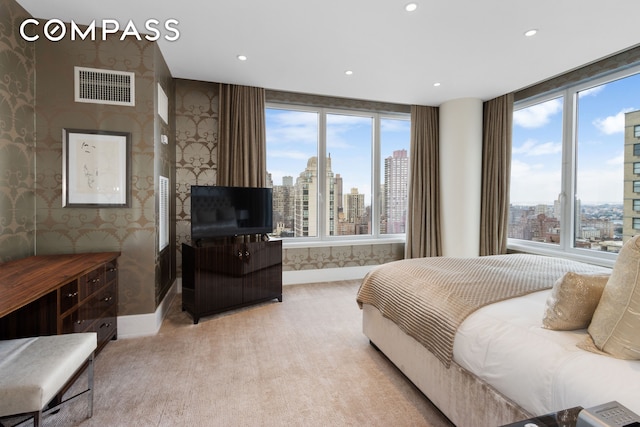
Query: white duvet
x=541, y=370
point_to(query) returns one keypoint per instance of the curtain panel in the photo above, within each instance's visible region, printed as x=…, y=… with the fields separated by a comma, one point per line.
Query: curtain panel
x=242, y=137
x=496, y=174
x=423, y=216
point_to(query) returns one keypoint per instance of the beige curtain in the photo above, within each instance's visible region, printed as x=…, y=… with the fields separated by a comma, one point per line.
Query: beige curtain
x=423, y=216
x=242, y=137
x=496, y=173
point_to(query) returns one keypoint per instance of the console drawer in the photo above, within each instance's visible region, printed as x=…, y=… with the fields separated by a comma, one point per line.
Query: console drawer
x=102, y=301
x=92, y=281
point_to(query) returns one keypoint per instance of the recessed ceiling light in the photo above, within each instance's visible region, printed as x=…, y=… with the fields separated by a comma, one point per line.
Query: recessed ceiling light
x=410, y=7
x=436, y=84
x=531, y=32
x=242, y=57
x=348, y=72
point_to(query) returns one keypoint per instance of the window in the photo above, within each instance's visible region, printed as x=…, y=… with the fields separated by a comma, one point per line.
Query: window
x=636, y=223
x=636, y=131
x=337, y=173
x=573, y=167
x=636, y=205
x=536, y=172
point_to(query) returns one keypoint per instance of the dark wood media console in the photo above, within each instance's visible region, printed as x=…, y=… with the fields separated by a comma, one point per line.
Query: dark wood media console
x=230, y=273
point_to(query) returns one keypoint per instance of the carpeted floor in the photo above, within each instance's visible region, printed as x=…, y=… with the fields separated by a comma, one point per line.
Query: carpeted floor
x=302, y=362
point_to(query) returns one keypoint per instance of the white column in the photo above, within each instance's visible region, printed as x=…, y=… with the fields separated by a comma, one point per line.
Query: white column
x=460, y=176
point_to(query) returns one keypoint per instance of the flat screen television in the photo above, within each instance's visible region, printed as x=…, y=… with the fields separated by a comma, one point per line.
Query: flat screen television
x=218, y=211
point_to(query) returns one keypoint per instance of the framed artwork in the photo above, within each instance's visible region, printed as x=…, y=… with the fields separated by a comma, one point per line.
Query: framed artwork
x=95, y=170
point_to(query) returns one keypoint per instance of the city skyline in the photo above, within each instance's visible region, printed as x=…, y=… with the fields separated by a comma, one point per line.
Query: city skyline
x=293, y=138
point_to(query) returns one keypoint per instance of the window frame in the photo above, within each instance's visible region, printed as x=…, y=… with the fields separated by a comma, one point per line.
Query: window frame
x=376, y=173
x=566, y=248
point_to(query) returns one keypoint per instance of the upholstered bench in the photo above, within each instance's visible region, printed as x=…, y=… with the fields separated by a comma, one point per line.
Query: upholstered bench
x=34, y=370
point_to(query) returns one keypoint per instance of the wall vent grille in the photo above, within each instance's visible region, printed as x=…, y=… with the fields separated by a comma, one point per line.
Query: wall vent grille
x=104, y=86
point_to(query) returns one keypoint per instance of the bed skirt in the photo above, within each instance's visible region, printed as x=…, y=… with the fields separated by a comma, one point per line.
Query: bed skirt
x=462, y=397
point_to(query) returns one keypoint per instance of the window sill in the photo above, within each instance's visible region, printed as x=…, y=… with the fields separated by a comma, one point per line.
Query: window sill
x=603, y=259
x=296, y=243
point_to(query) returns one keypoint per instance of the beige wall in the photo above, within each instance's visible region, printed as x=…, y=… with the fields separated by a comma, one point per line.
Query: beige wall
x=17, y=137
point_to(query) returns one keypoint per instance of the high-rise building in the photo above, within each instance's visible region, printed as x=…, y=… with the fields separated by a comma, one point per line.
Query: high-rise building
x=396, y=191
x=283, y=208
x=306, y=200
x=354, y=206
x=631, y=208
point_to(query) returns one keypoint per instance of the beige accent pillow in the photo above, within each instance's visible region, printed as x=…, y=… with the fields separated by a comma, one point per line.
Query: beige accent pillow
x=573, y=300
x=615, y=327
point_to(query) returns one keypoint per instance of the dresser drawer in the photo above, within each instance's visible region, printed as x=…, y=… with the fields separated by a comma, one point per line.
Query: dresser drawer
x=106, y=328
x=101, y=302
x=111, y=270
x=68, y=296
x=92, y=281
x=72, y=323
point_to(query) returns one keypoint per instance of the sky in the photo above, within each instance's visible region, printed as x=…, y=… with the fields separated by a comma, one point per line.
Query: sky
x=537, y=146
x=292, y=138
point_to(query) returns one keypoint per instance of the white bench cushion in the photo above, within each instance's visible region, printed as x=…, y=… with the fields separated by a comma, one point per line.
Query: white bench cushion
x=33, y=370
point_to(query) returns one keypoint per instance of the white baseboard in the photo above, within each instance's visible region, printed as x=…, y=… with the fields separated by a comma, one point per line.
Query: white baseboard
x=141, y=325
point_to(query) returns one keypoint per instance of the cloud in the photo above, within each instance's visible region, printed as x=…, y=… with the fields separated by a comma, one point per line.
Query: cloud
x=395, y=125
x=537, y=115
x=616, y=161
x=534, y=183
x=594, y=91
x=531, y=147
x=612, y=124
x=288, y=154
x=299, y=127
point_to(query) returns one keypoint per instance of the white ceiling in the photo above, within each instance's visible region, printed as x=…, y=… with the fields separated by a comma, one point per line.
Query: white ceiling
x=474, y=48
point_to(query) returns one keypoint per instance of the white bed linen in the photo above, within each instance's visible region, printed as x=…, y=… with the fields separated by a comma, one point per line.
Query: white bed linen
x=541, y=370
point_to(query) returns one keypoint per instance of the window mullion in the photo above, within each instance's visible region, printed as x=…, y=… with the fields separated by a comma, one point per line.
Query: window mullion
x=376, y=195
x=567, y=195
x=322, y=175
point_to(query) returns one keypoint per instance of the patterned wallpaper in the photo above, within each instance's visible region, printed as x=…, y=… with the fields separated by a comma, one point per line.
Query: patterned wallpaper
x=131, y=230
x=17, y=136
x=196, y=163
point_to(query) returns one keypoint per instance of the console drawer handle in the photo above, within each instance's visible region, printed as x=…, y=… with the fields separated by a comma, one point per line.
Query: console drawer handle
x=95, y=280
x=107, y=299
x=106, y=325
x=72, y=295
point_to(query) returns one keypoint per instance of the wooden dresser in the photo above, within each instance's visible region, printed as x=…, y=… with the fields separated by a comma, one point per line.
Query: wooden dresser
x=59, y=294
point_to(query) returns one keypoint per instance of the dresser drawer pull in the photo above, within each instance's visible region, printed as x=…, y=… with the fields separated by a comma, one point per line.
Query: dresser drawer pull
x=94, y=281
x=112, y=269
x=79, y=322
x=107, y=299
x=105, y=325
x=72, y=295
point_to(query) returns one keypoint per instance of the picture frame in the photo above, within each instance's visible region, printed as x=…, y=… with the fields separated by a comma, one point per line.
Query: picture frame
x=96, y=170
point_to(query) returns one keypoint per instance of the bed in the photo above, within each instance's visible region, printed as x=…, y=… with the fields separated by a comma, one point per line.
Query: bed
x=468, y=333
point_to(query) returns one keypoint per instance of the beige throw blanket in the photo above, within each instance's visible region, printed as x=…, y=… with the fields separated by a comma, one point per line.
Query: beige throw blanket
x=428, y=298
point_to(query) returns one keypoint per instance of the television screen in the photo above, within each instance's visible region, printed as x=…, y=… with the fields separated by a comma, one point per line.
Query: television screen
x=218, y=211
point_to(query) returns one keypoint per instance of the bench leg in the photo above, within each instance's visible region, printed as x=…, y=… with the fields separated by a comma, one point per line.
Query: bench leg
x=90, y=385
